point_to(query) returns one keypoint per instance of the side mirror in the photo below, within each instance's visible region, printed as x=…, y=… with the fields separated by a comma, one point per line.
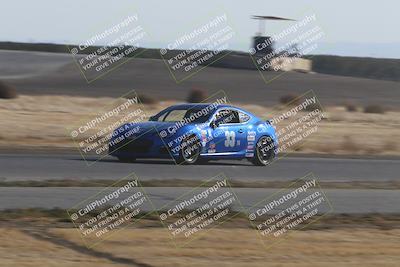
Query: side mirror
x=151, y=118
x=213, y=125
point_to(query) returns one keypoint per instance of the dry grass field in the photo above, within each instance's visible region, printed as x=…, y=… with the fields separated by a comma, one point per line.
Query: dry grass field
x=42, y=122
x=219, y=247
x=19, y=249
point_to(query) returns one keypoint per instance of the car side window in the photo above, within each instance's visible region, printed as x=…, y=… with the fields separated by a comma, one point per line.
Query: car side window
x=227, y=116
x=161, y=118
x=175, y=115
x=243, y=117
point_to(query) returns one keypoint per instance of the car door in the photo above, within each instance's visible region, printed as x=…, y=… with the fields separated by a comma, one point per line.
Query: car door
x=229, y=133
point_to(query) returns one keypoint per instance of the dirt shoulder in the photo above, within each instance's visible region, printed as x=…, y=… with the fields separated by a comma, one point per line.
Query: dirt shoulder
x=388, y=185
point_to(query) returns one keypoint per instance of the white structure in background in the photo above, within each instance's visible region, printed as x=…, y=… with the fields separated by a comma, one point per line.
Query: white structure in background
x=291, y=64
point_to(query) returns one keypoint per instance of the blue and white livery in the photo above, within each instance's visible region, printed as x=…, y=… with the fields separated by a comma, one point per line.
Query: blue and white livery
x=192, y=133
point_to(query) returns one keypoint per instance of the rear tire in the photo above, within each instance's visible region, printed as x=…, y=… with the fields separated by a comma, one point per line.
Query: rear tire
x=264, y=152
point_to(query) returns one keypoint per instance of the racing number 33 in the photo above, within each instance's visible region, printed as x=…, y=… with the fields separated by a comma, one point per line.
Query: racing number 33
x=230, y=139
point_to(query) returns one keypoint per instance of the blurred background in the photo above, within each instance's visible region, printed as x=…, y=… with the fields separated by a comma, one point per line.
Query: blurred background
x=352, y=67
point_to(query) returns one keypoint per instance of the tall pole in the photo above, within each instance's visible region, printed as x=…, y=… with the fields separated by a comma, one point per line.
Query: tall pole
x=261, y=27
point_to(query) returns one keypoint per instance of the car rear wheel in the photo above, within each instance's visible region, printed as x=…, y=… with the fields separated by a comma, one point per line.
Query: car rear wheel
x=265, y=151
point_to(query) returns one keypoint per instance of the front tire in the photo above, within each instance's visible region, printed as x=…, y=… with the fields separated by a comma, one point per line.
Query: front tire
x=190, y=151
x=265, y=151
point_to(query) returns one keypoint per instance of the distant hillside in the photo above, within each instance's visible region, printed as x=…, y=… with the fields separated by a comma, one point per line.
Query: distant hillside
x=54, y=48
x=373, y=68
x=62, y=48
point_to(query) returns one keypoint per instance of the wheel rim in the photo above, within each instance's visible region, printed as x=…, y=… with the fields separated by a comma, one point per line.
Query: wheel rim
x=265, y=151
x=190, y=154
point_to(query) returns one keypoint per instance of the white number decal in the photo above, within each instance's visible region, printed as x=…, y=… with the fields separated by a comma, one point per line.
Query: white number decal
x=230, y=139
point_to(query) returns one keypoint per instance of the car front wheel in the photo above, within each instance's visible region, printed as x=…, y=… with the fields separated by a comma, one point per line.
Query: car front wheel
x=190, y=151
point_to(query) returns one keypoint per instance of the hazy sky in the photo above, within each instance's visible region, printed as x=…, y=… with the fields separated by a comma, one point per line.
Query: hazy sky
x=352, y=27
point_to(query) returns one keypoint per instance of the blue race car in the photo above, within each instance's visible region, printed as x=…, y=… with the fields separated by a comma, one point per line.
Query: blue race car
x=192, y=133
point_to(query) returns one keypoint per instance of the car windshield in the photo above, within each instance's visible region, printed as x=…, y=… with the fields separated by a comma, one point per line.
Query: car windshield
x=189, y=115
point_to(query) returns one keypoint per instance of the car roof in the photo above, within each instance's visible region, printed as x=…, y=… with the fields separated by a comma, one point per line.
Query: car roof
x=199, y=105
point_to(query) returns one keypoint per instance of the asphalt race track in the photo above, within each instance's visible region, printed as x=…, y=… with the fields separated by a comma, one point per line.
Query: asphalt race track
x=342, y=201
x=36, y=166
